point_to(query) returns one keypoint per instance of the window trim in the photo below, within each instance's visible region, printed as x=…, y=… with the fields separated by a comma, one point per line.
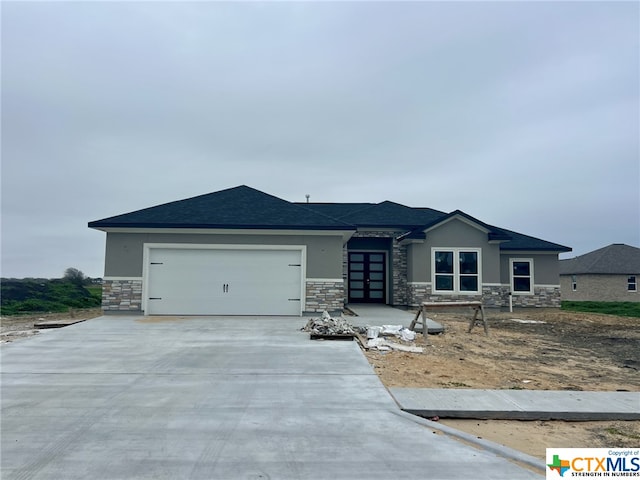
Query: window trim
x=632, y=286
x=456, y=270
x=512, y=276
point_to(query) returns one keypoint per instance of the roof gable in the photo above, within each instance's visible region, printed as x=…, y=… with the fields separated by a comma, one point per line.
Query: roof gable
x=238, y=207
x=493, y=233
x=613, y=259
x=508, y=239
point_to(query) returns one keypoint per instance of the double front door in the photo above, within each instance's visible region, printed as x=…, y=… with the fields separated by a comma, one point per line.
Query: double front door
x=367, y=277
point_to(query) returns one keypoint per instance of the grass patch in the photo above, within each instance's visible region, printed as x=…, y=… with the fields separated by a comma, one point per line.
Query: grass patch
x=95, y=291
x=623, y=309
x=40, y=296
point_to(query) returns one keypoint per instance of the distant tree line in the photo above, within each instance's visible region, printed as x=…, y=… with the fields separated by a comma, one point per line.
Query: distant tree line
x=29, y=295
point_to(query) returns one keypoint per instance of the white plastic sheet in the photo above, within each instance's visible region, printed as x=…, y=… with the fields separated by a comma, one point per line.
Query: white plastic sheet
x=391, y=330
x=407, y=335
x=373, y=332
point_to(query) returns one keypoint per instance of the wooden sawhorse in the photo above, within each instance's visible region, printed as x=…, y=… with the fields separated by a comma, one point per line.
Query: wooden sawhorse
x=476, y=306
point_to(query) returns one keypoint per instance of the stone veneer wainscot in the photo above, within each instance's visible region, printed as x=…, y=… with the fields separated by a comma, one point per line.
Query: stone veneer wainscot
x=122, y=295
x=496, y=296
x=324, y=295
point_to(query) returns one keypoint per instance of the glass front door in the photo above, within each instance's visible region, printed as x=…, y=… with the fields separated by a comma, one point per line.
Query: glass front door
x=367, y=277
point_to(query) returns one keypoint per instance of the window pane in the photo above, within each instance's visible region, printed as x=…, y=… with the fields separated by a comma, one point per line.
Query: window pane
x=444, y=282
x=376, y=285
x=521, y=284
x=444, y=262
x=468, y=262
x=356, y=257
x=521, y=268
x=356, y=294
x=376, y=257
x=375, y=294
x=356, y=275
x=356, y=266
x=469, y=283
x=356, y=284
x=376, y=275
x=376, y=266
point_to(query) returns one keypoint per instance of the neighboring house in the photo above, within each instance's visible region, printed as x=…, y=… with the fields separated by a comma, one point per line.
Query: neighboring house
x=244, y=252
x=609, y=274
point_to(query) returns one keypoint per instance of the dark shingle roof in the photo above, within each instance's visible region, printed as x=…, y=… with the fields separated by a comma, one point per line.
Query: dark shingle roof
x=246, y=208
x=520, y=241
x=238, y=207
x=335, y=210
x=391, y=214
x=615, y=259
x=383, y=214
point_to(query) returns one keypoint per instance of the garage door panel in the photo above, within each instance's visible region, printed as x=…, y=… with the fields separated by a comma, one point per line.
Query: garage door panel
x=224, y=282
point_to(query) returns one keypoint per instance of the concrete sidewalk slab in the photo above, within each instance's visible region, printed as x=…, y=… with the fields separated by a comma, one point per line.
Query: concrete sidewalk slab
x=519, y=404
x=377, y=314
x=203, y=398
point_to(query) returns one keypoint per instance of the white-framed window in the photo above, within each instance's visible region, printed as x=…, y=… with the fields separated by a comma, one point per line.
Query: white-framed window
x=521, y=276
x=456, y=270
x=632, y=283
x=574, y=283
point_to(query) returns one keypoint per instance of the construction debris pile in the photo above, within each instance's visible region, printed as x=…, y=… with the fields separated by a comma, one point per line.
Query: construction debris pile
x=377, y=339
x=328, y=326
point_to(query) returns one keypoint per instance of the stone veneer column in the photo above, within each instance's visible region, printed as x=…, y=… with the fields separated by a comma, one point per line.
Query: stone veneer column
x=417, y=293
x=399, y=265
x=122, y=296
x=324, y=295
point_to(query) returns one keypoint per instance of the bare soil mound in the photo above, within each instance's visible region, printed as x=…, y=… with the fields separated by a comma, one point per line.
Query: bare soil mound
x=538, y=349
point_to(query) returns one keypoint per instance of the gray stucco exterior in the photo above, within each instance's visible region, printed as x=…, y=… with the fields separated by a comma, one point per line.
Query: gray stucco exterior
x=454, y=234
x=495, y=268
x=124, y=251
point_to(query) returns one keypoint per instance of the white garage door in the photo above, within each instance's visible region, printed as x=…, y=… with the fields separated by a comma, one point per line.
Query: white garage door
x=224, y=282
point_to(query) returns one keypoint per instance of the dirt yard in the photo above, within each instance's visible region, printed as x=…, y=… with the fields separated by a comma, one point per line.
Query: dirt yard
x=569, y=351
x=528, y=350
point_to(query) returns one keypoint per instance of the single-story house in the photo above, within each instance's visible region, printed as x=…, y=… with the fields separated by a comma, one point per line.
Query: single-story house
x=608, y=274
x=240, y=251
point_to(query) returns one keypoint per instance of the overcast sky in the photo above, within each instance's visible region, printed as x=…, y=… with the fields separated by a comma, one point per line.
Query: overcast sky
x=524, y=115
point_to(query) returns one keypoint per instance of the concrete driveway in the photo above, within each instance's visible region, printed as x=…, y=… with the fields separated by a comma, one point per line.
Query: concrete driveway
x=213, y=398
